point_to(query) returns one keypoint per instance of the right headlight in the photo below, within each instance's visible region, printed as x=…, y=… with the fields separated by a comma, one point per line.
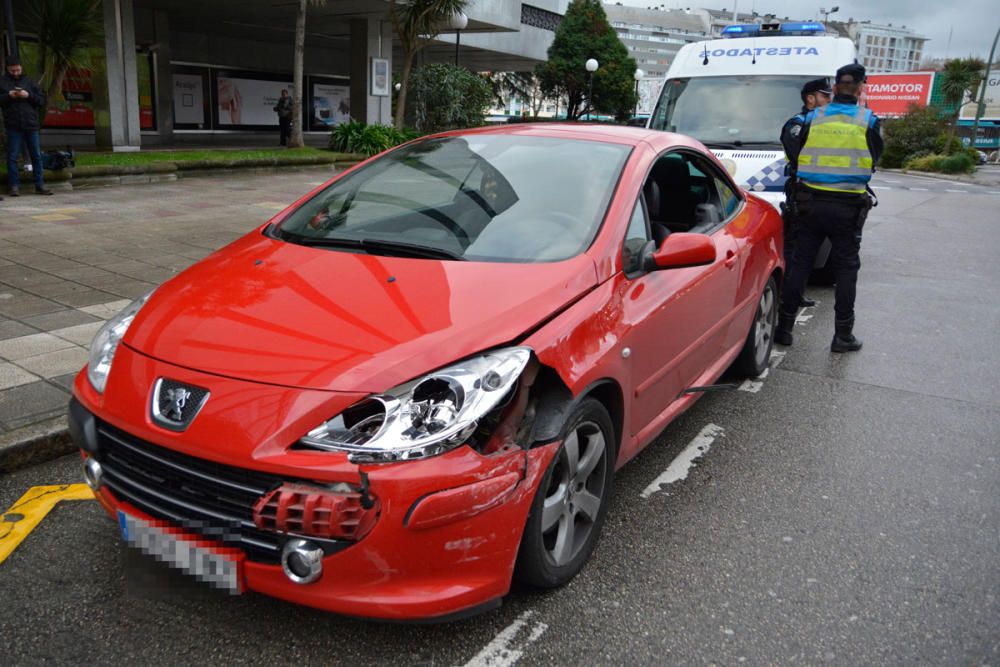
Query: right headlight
x=105, y=343
x=424, y=417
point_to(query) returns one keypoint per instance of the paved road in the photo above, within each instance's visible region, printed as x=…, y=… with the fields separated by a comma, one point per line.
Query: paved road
x=847, y=511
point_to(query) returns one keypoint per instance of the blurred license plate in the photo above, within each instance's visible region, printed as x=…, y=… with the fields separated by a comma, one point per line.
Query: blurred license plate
x=221, y=570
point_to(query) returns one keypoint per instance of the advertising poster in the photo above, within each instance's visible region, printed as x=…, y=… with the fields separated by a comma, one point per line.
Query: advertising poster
x=247, y=101
x=331, y=105
x=76, y=108
x=189, y=99
x=991, y=101
x=890, y=95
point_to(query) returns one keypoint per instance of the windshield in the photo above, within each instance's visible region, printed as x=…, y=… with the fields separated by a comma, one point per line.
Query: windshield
x=500, y=198
x=730, y=110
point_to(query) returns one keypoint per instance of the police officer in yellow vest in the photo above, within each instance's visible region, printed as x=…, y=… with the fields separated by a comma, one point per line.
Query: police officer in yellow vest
x=838, y=147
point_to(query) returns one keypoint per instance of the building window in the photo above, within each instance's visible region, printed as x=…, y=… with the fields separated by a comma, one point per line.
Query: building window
x=536, y=17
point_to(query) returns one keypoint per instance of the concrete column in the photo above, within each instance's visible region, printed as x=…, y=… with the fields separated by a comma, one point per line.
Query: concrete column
x=116, y=86
x=370, y=38
x=164, y=77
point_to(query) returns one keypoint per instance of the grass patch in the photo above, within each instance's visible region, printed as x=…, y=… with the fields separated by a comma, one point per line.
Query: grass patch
x=148, y=157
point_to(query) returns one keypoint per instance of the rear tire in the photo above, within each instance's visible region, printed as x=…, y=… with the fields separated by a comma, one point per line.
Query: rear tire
x=756, y=351
x=571, y=501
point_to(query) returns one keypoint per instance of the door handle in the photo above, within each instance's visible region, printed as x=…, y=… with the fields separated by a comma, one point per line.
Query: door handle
x=730, y=259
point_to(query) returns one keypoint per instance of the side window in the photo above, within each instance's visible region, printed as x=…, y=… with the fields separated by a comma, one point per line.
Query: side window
x=728, y=199
x=635, y=238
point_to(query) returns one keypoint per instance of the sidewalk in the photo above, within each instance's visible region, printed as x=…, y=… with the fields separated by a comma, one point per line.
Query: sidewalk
x=69, y=262
x=987, y=175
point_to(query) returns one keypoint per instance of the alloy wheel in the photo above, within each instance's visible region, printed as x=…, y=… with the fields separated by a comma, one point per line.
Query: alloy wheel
x=763, y=330
x=575, y=493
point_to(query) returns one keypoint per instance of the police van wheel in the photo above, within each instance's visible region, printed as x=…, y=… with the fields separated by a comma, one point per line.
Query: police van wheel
x=756, y=351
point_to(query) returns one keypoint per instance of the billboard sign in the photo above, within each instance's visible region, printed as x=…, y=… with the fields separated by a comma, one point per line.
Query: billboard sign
x=991, y=102
x=890, y=95
x=247, y=101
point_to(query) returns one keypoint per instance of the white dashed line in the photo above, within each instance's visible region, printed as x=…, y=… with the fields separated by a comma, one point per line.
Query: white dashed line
x=802, y=318
x=755, y=385
x=888, y=181
x=505, y=650
x=880, y=187
x=679, y=467
x=958, y=191
x=919, y=189
x=993, y=192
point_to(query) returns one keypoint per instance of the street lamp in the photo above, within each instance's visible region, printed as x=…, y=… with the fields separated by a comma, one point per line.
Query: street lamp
x=591, y=66
x=458, y=22
x=982, y=91
x=638, y=77
x=826, y=14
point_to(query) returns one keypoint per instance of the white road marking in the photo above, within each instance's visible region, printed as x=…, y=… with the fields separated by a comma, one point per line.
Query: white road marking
x=994, y=192
x=504, y=651
x=755, y=385
x=880, y=187
x=888, y=181
x=777, y=356
x=958, y=191
x=802, y=318
x=919, y=189
x=679, y=467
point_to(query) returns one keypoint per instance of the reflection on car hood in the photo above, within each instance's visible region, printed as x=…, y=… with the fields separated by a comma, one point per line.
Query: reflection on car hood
x=284, y=314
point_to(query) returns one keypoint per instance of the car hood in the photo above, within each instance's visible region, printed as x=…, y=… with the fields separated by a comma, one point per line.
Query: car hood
x=274, y=312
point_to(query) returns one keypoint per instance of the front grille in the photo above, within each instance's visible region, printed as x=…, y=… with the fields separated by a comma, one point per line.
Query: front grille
x=206, y=498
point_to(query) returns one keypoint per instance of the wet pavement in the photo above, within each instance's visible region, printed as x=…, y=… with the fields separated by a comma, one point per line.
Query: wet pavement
x=846, y=510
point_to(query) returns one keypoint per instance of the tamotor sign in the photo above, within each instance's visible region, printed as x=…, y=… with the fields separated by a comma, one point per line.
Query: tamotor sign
x=991, y=101
x=891, y=94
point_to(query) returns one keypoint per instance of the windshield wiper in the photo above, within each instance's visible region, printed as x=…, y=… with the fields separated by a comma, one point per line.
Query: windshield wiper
x=739, y=144
x=397, y=247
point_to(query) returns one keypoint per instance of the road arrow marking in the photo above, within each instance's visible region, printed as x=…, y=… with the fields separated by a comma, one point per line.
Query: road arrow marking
x=25, y=515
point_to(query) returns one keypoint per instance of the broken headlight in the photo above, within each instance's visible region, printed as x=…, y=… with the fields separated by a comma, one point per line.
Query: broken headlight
x=424, y=417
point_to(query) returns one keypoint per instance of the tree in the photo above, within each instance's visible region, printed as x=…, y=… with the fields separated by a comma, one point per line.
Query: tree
x=960, y=79
x=66, y=30
x=446, y=97
x=295, y=140
x=585, y=33
x=523, y=85
x=416, y=23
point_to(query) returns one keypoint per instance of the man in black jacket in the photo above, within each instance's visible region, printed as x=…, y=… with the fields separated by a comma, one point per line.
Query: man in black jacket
x=20, y=100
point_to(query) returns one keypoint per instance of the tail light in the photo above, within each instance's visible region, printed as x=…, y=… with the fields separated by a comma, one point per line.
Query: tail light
x=308, y=510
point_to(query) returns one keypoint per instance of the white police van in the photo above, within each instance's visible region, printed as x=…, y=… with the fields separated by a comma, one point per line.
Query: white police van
x=734, y=94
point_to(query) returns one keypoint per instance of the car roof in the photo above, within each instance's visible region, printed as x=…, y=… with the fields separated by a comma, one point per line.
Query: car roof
x=618, y=134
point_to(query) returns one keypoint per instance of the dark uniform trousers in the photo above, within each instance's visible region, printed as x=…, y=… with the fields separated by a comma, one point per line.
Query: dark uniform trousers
x=839, y=218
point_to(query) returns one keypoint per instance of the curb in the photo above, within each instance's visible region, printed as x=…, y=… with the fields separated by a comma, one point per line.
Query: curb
x=968, y=180
x=35, y=444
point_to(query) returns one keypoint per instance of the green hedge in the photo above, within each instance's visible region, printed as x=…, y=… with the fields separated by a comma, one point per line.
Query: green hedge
x=356, y=137
x=956, y=163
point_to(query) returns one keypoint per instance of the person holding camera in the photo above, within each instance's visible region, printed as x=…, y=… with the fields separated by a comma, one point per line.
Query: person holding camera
x=20, y=100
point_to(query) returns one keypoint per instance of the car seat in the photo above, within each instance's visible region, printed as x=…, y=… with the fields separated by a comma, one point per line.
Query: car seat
x=677, y=202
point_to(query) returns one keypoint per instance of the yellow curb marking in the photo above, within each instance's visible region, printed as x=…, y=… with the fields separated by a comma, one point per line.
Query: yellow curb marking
x=271, y=204
x=68, y=210
x=52, y=217
x=25, y=515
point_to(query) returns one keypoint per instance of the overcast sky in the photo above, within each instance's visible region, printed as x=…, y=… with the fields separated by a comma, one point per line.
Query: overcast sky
x=973, y=23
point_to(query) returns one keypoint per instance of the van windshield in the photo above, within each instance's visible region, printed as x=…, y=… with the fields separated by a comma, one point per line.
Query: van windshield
x=729, y=111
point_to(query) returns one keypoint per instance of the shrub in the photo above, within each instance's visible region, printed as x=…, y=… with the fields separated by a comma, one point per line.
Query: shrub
x=445, y=97
x=957, y=163
x=355, y=137
x=916, y=133
x=943, y=146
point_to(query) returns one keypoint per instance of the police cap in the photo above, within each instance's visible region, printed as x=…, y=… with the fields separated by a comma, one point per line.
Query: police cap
x=817, y=86
x=853, y=73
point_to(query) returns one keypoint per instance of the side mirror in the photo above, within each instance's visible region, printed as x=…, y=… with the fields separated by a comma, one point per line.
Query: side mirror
x=681, y=250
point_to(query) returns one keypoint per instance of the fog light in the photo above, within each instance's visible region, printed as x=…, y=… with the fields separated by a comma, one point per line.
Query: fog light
x=302, y=561
x=92, y=473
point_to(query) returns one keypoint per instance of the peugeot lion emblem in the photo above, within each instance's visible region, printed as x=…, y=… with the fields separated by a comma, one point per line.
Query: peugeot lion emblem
x=175, y=405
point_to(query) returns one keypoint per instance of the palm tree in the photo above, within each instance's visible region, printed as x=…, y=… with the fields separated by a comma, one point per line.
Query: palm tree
x=959, y=78
x=417, y=22
x=66, y=30
x=295, y=140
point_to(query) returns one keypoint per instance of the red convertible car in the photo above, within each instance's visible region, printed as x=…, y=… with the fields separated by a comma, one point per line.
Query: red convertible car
x=415, y=384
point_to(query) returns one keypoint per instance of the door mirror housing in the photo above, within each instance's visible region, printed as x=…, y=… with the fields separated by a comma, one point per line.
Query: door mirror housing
x=680, y=250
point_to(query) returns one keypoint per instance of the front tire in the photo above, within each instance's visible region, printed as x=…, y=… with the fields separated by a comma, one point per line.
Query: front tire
x=571, y=502
x=756, y=351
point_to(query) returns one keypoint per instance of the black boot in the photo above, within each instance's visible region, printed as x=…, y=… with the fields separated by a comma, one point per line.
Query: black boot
x=783, y=332
x=843, y=339
x=806, y=303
